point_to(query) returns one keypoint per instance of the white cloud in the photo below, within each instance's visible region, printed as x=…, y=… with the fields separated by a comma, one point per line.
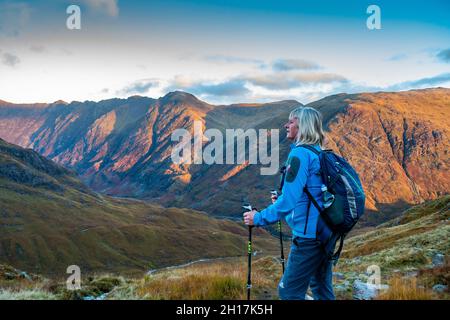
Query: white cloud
x=284, y=81
x=10, y=59
x=139, y=87
x=294, y=64
x=259, y=87
x=428, y=82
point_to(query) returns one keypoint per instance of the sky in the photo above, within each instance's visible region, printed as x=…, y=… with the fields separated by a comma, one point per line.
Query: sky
x=221, y=51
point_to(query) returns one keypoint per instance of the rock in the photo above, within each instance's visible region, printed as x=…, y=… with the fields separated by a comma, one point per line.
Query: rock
x=339, y=275
x=343, y=286
x=357, y=260
x=411, y=274
x=438, y=260
x=25, y=275
x=366, y=291
x=362, y=291
x=440, y=288
x=9, y=276
x=100, y=297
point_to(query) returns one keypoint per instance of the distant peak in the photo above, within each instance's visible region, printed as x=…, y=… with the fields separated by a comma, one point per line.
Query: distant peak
x=179, y=94
x=177, y=97
x=292, y=102
x=60, y=102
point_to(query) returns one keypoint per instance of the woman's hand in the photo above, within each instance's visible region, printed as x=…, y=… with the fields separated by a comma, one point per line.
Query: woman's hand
x=274, y=198
x=248, y=217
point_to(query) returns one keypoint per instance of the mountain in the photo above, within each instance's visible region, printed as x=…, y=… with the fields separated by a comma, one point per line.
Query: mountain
x=28, y=168
x=397, y=141
x=122, y=147
x=50, y=220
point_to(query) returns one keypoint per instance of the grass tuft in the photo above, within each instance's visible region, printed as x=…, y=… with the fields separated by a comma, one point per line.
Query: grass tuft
x=405, y=289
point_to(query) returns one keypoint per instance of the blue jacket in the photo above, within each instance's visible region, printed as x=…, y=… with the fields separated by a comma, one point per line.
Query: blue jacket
x=293, y=205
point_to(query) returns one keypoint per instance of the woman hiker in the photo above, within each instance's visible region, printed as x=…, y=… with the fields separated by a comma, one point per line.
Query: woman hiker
x=308, y=264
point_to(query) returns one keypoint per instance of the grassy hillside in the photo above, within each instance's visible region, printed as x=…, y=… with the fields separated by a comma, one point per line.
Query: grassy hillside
x=406, y=242
x=404, y=248
x=412, y=252
x=49, y=220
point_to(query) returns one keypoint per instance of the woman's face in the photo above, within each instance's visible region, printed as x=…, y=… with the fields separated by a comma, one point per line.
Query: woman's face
x=291, y=128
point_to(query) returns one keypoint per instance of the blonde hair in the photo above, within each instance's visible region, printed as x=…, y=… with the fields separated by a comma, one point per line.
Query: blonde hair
x=309, y=126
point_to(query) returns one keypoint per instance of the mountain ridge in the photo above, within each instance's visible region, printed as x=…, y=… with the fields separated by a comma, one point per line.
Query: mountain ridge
x=122, y=147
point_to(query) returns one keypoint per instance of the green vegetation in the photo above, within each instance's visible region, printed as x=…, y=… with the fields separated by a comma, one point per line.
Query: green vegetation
x=407, y=242
x=108, y=234
x=405, y=257
x=47, y=227
x=404, y=249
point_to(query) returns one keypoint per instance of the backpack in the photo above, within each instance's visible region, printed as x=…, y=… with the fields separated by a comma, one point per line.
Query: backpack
x=343, y=195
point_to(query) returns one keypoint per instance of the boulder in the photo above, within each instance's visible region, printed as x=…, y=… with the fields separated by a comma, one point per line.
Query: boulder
x=367, y=291
x=440, y=288
x=438, y=260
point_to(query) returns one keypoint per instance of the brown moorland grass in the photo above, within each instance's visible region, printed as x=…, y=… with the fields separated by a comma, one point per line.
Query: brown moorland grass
x=405, y=289
x=224, y=280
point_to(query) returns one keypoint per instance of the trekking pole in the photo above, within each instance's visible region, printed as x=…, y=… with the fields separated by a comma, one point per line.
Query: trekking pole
x=249, y=252
x=280, y=231
x=275, y=193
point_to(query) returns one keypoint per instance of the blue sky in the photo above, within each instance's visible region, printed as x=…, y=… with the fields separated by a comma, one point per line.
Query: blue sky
x=222, y=51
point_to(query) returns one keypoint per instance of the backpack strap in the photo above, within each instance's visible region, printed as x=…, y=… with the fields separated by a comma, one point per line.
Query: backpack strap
x=310, y=148
x=283, y=175
x=305, y=189
x=334, y=256
x=310, y=196
x=337, y=254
